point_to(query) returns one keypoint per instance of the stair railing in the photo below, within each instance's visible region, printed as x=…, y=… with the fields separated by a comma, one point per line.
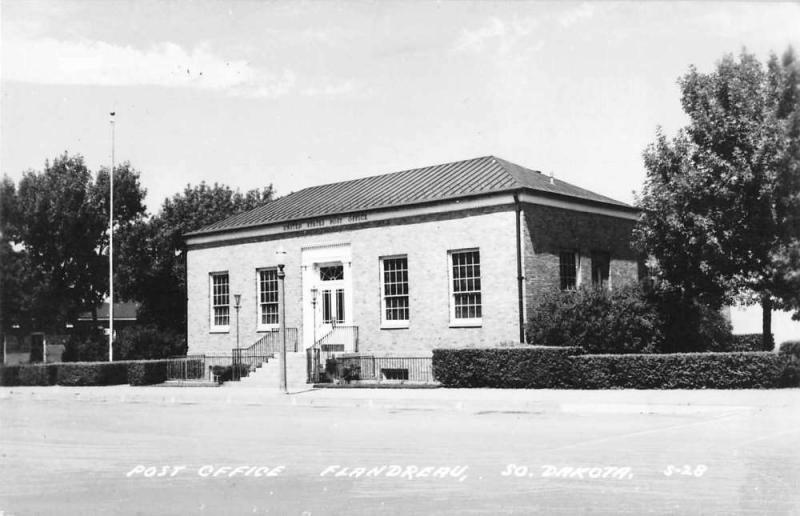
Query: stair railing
x=248, y=359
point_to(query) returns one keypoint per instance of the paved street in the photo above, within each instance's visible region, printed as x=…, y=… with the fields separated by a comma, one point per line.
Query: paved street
x=222, y=451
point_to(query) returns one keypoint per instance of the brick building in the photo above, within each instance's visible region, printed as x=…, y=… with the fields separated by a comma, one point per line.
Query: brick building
x=450, y=255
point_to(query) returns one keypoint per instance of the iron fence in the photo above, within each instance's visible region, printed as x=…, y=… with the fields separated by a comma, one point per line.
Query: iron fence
x=190, y=367
x=380, y=369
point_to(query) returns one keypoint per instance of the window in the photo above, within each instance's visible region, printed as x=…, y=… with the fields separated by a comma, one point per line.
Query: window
x=394, y=374
x=331, y=273
x=568, y=270
x=267, y=298
x=465, y=295
x=220, y=301
x=394, y=292
x=600, y=266
x=333, y=307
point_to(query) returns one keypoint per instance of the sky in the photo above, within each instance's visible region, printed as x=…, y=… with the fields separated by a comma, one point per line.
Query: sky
x=296, y=94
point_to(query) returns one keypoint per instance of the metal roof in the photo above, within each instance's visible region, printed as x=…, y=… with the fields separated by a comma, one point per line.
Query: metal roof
x=449, y=181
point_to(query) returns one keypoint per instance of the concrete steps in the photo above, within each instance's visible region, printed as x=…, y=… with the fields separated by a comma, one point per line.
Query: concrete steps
x=268, y=375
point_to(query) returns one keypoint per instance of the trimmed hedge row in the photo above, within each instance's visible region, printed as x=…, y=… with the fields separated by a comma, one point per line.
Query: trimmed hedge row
x=750, y=342
x=145, y=372
x=530, y=367
x=739, y=370
x=558, y=368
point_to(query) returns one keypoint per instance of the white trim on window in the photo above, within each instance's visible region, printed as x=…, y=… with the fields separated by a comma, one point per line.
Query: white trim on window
x=394, y=292
x=267, y=311
x=219, y=288
x=464, y=275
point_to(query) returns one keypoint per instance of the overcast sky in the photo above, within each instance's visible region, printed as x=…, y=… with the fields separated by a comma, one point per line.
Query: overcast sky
x=298, y=94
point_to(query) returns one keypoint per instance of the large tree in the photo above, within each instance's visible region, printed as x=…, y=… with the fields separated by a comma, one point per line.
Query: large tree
x=720, y=200
x=152, y=268
x=55, y=240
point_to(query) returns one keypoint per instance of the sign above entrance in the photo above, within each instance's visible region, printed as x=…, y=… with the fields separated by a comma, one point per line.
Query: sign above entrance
x=324, y=222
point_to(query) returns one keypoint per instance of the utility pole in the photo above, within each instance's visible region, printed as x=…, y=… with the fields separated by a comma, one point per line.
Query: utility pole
x=111, y=251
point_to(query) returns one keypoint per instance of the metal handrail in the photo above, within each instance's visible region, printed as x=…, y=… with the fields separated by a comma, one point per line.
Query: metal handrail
x=261, y=350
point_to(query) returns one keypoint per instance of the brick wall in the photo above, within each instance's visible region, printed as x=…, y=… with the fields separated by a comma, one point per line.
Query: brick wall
x=547, y=231
x=425, y=240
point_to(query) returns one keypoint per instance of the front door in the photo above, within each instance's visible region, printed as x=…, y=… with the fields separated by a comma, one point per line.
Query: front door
x=332, y=305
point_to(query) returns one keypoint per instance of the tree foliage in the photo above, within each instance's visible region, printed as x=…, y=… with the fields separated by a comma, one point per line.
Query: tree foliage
x=151, y=268
x=720, y=202
x=54, y=247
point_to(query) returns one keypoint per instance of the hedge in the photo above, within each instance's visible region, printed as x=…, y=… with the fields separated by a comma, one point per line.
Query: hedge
x=145, y=372
x=37, y=374
x=9, y=375
x=790, y=350
x=568, y=367
x=750, y=342
x=92, y=373
x=530, y=367
x=741, y=370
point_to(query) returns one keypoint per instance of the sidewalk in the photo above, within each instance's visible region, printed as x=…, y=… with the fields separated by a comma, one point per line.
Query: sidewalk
x=461, y=400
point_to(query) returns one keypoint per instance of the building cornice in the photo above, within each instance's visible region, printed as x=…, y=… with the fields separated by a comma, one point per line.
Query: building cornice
x=382, y=216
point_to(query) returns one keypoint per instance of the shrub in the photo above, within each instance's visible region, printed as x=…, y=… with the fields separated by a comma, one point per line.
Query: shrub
x=226, y=373
x=148, y=343
x=39, y=374
x=91, y=346
x=598, y=320
x=9, y=375
x=750, y=342
x=790, y=351
x=92, y=373
x=790, y=348
x=147, y=372
x=627, y=319
x=344, y=368
x=746, y=370
x=689, y=326
x=523, y=367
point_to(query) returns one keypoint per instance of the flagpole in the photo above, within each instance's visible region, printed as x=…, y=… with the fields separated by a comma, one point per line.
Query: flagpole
x=111, y=251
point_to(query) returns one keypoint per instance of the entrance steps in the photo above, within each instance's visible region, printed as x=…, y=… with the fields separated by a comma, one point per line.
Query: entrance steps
x=268, y=375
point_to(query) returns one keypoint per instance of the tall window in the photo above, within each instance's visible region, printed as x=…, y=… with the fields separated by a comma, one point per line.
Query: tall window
x=568, y=268
x=394, y=295
x=267, y=297
x=220, y=301
x=465, y=294
x=600, y=266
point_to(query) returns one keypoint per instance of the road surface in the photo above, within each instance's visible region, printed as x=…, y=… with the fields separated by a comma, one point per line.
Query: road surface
x=70, y=456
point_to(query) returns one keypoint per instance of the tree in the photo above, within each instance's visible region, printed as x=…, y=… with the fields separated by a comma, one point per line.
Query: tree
x=55, y=239
x=720, y=199
x=152, y=269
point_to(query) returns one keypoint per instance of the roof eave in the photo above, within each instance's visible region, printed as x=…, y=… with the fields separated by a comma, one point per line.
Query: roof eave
x=507, y=191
